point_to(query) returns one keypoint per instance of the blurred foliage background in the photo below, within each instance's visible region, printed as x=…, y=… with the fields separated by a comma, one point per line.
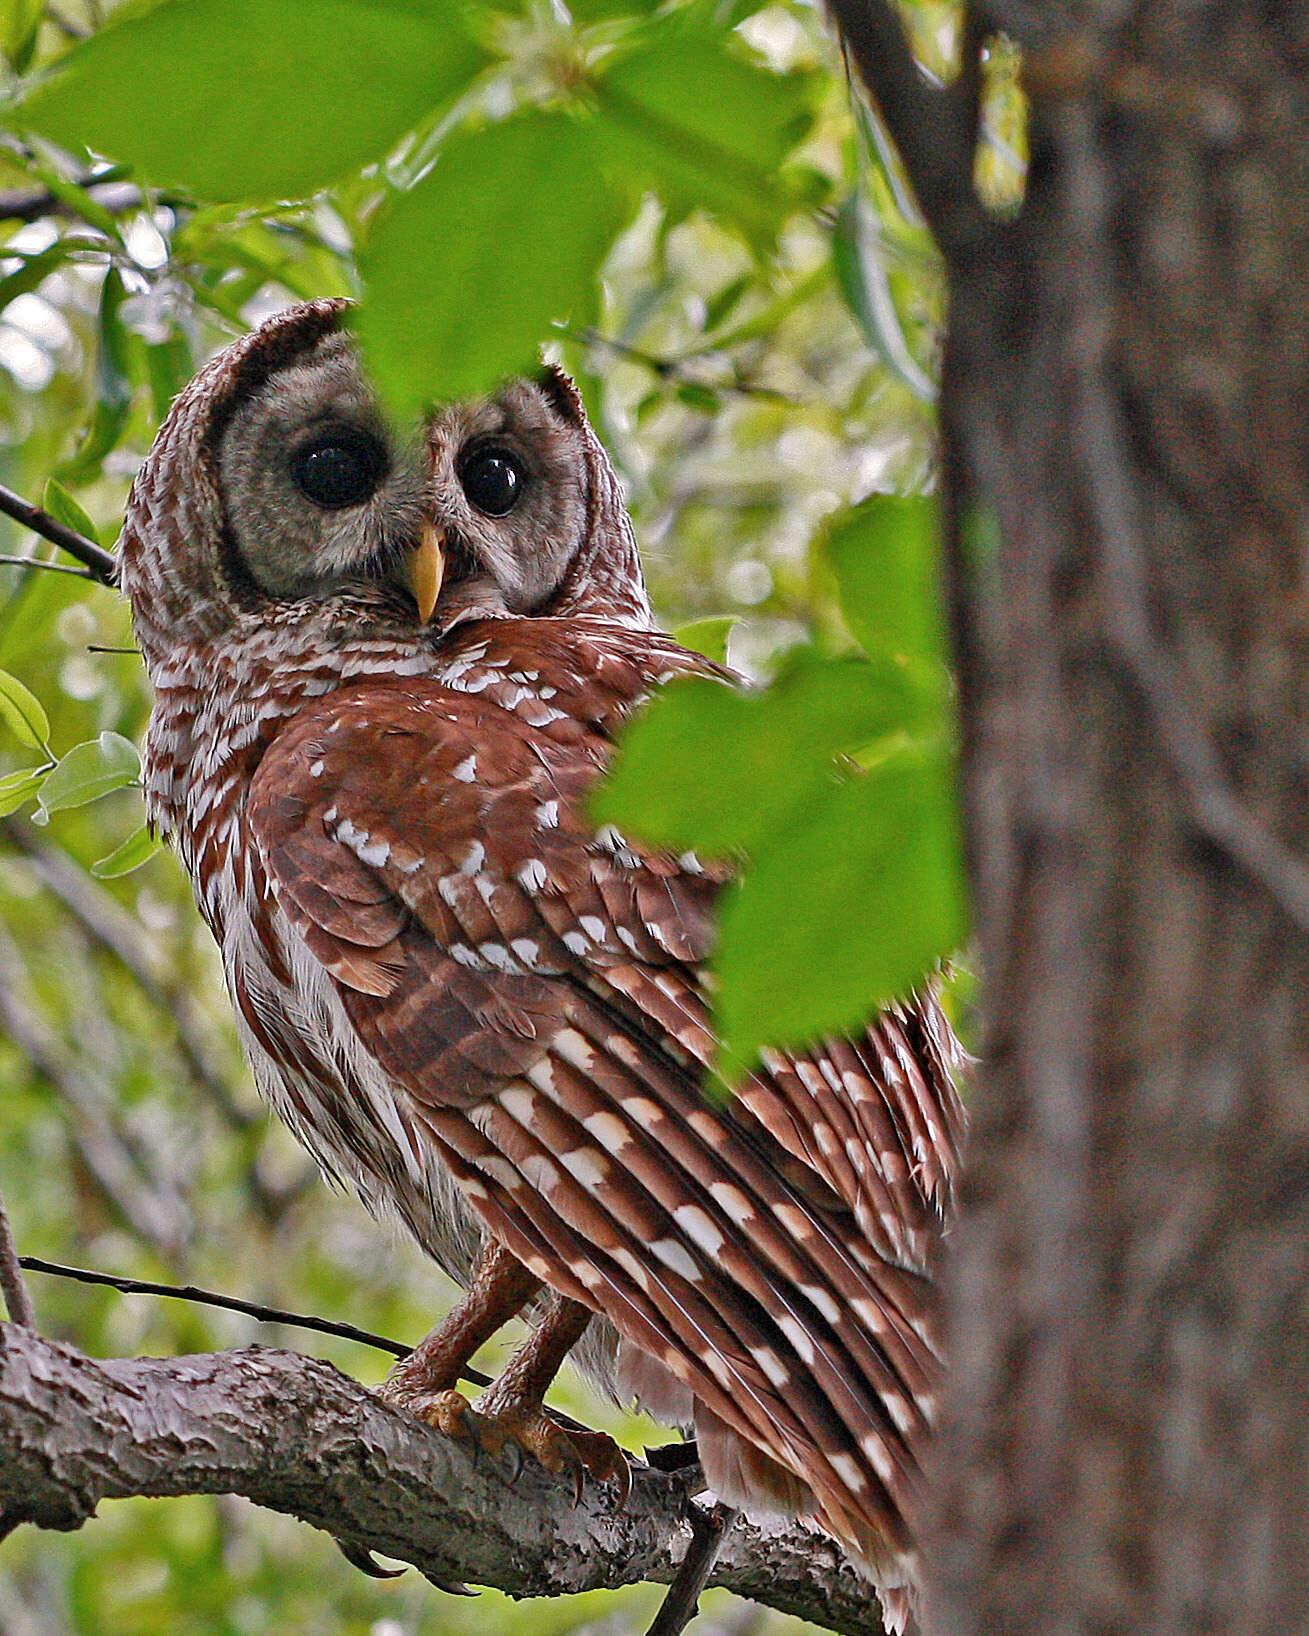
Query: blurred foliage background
x=680, y=201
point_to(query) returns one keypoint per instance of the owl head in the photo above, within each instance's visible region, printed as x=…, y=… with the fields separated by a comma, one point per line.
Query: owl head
x=277, y=485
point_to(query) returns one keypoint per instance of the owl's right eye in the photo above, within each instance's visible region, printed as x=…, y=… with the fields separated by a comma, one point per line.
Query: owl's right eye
x=340, y=468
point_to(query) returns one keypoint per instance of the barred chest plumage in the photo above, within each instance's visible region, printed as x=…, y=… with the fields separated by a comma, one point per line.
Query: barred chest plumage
x=216, y=715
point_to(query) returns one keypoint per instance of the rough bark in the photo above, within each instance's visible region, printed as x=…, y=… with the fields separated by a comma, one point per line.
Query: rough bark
x=1127, y=380
x=296, y=1435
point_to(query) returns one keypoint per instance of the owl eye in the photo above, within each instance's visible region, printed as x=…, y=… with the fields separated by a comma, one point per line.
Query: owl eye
x=340, y=468
x=492, y=480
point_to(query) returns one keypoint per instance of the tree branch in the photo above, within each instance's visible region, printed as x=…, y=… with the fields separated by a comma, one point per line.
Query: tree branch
x=297, y=1436
x=934, y=129
x=88, y=553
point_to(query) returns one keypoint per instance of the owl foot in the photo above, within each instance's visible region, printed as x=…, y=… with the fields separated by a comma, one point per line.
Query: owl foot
x=526, y=1428
x=498, y=1289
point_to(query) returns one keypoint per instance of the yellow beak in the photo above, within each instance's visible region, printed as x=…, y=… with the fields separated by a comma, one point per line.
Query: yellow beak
x=426, y=569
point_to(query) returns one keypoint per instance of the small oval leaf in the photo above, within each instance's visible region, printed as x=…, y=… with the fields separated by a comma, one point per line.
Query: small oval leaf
x=140, y=846
x=707, y=636
x=24, y=712
x=91, y=770
x=18, y=788
x=64, y=509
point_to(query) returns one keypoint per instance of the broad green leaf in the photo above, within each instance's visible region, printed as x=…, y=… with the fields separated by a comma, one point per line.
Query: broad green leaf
x=19, y=788
x=64, y=509
x=846, y=909
x=236, y=99
x=140, y=846
x=712, y=767
x=24, y=713
x=89, y=771
x=862, y=276
x=702, y=126
x=469, y=269
x=707, y=636
x=885, y=553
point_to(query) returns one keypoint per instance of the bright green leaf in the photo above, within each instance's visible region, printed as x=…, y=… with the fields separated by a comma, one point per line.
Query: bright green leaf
x=18, y=788
x=140, y=846
x=515, y=219
x=91, y=770
x=689, y=117
x=882, y=900
x=256, y=98
x=64, y=509
x=23, y=711
x=886, y=555
x=715, y=768
x=707, y=636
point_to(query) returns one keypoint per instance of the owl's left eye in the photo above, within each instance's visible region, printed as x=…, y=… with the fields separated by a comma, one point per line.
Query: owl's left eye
x=492, y=479
x=340, y=468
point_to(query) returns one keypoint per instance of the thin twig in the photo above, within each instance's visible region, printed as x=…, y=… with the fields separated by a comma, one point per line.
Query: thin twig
x=679, y=1607
x=48, y=567
x=17, y=1300
x=230, y=1303
x=101, y=562
x=932, y=128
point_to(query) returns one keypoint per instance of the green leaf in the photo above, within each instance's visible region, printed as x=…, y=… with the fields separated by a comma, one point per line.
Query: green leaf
x=707, y=636
x=847, y=909
x=688, y=116
x=236, y=99
x=31, y=271
x=469, y=268
x=64, y=509
x=709, y=766
x=139, y=847
x=862, y=276
x=19, y=22
x=18, y=788
x=91, y=770
x=885, y=553
x=114, y=386
x=24, y=712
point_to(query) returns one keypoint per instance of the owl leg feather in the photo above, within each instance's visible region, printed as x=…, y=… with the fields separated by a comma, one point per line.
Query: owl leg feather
x=513, y=1407
x=499, y=1287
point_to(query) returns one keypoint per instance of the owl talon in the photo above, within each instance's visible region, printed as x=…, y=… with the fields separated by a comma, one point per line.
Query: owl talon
x=526, y=1430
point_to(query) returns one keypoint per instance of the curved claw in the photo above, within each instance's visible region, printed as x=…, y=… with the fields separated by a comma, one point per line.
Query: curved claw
x=359, y=1556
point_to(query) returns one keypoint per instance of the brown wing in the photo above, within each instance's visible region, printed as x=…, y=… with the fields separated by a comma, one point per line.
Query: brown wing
x=534, y=988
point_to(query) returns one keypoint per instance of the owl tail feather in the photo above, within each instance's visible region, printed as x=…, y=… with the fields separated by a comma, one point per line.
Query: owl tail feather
x=741, y=1474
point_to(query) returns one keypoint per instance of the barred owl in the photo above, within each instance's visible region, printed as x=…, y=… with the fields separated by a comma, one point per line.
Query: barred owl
x=387, y=671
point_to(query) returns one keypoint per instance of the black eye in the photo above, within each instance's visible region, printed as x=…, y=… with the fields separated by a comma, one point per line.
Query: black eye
x=341, y=468
x=493, y=480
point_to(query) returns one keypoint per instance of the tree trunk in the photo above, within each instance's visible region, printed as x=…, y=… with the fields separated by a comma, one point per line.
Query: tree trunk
x=1127, y=384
